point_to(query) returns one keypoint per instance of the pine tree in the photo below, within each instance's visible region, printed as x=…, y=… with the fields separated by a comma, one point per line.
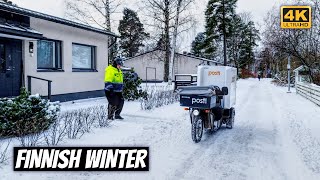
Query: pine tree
x=219, y=16
x=132, y=33
x=236, y=39
x=251, y=36
x=197, y=46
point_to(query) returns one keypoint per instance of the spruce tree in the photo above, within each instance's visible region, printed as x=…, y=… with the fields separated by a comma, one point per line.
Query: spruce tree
x=251, y=36
x=132, y=33
x=197, y=46
x=219, y=16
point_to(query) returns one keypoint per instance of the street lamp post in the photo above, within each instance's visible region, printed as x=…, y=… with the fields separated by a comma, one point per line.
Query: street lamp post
x=289, y=78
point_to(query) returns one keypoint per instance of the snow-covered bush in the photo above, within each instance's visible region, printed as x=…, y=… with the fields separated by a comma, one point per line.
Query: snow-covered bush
x=74, y=124
x=56, y=132
x=245, y=73
x=101, y=115
x=157, y=98
x=132, y=90
x=31, y=140
x=282, y=80
x=26, y=114
x=4, y=145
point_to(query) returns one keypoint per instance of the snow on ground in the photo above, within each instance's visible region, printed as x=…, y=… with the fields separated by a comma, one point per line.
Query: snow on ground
x=276, y=136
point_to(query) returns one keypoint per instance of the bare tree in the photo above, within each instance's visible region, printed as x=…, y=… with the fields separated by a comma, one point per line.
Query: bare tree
x=92, y=12
x=181, y=6
x=167, y=17
x=302, y=45
x=95, y=13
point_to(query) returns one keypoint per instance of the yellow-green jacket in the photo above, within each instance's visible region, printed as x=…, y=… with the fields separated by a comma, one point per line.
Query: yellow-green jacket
x=113, y=79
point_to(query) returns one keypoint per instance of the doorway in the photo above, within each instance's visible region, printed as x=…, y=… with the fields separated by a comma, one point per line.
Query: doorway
x=10, y=67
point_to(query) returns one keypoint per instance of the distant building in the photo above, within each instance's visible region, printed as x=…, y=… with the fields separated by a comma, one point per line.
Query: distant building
x=148, y=63
x=71, y=55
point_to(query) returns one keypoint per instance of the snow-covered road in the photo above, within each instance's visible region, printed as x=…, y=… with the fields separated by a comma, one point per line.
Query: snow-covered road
x=276, y=136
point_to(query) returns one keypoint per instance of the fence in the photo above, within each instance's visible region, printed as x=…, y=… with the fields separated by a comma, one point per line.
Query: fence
x=184, y=80
x=309, y=91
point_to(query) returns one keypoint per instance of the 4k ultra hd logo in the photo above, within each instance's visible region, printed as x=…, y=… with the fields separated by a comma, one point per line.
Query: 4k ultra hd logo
x=295, y=17
x=81, y=159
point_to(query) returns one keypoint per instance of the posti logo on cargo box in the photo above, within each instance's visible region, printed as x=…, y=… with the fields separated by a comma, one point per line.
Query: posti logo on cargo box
x=214, y=73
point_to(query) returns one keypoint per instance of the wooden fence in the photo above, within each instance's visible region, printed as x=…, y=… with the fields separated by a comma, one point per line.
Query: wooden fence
x=309, y=91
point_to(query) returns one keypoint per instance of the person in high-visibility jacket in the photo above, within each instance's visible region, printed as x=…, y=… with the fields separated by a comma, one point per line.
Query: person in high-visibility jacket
x=113, y=89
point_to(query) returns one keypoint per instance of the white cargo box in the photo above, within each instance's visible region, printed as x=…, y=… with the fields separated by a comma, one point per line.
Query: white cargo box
x=221, y=76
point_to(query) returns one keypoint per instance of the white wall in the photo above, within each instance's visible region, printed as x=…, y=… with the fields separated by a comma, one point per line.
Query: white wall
x=67, y=81
x=182, y=65
x=153, y=59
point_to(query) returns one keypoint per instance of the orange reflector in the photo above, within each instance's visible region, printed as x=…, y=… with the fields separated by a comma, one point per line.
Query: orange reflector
x=186, y=109
x=207, y=111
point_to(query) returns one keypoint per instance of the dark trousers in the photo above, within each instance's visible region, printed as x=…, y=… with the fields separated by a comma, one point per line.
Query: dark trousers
x=115, y=105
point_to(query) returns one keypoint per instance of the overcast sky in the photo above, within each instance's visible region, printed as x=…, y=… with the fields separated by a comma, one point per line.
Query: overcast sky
x=258, y=9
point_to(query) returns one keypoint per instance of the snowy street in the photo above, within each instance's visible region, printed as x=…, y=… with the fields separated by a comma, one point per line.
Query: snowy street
x=276, y=136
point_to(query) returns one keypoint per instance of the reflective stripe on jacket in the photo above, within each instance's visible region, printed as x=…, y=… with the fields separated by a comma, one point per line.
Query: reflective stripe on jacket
x=113, y=79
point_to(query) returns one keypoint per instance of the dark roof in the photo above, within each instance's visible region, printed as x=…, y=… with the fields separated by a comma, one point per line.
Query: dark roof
x=141, y=54
x=35, y=14
x=199, y=58
x=19, y=30
x=186, y=55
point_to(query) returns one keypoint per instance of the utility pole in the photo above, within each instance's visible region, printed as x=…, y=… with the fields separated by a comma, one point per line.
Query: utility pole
x=289, y=67
x=224, y=36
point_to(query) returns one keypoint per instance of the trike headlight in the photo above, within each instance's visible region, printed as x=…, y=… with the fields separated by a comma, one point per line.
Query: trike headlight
x=196, y=112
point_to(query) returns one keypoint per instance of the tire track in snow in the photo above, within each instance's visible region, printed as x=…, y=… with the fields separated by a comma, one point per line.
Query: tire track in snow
x=218, y=143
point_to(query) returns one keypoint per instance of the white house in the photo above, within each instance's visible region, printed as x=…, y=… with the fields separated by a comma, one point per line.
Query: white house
x=39, y=47
x=150, y=65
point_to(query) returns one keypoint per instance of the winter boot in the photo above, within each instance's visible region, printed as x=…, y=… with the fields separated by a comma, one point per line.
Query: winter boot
x=118, y=117
x=111, y=110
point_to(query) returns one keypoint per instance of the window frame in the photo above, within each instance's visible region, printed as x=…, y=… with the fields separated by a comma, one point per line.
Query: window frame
x=93, y=67
x=58, y=45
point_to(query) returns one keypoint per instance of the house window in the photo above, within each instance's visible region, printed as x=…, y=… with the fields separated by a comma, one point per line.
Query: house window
x=83, y=57
x=49, y=54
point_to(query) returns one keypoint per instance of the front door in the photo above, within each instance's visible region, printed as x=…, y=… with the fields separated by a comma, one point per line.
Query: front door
x=10, y=67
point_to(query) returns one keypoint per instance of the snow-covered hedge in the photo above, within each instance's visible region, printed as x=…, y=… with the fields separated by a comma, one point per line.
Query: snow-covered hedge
x=157, y=98
x=26, y=114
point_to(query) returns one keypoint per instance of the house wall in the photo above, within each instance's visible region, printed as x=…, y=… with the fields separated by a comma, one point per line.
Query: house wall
x=183, y=64
x=186, y=65
x=67, y=81
x=140, y=63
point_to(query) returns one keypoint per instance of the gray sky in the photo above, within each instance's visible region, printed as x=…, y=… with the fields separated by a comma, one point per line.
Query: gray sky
x=258, y=9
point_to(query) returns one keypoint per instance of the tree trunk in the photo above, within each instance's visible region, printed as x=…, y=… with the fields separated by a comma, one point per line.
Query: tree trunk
x=224, y=37
x=107, y=8
x=167, y=40
x=108, y=28
x=174, y=42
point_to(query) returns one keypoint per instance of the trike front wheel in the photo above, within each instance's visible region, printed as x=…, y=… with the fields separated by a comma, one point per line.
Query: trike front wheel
x=197, y=129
